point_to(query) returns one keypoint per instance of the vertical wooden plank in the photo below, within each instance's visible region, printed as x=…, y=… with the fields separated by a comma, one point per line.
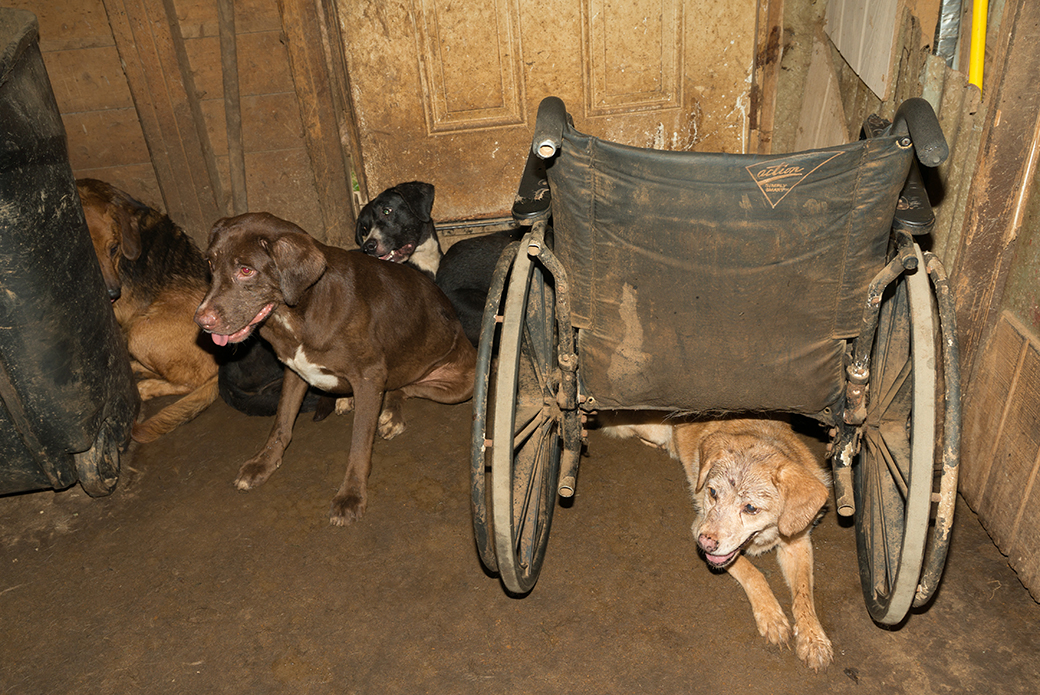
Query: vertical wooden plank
x=999, y=191
x=1017, y=446
x=907, y=64
x=985, y=411
x=166, y=102
x=769, y=46
x=1024, y=553
x=1025, y=532
x=343, y=101
x=232, y=106
x=303, y=39
x=822, y=120
x=960, y=115
x=864, y=32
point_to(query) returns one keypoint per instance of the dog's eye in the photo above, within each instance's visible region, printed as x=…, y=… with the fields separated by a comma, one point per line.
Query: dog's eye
x=387, y=211
x=750, y=509
x=245, y=272
x=712, y=493
x=113, y=251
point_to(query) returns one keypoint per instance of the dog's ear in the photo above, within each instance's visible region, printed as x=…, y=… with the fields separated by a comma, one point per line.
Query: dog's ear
x=419, y=197
x=300, y=264
x=706, y=454
x=217, y=226
x=803, y=494
x=129, y=232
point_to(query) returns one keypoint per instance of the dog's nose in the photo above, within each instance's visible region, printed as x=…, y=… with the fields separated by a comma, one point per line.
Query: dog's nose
x=207, y=318
x=114, y=293
x=707, y=543
x=370, y=246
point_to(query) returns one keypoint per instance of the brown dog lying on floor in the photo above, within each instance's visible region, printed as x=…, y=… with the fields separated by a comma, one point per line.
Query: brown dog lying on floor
x=155, y=277
x=756, y=486
x=342, y=321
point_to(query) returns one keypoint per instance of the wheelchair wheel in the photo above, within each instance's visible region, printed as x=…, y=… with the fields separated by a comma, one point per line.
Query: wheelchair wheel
x=525, y=422
x=894, y=475
x=480, y=466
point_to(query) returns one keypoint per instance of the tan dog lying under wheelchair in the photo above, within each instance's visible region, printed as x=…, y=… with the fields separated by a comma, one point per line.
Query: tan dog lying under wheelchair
x=756, y=487
x=339, y=320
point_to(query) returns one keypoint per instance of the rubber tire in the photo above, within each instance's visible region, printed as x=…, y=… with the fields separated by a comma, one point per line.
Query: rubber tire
x=526, y=426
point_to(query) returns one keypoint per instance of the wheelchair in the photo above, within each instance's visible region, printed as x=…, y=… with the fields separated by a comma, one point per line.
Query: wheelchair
x=705, y=283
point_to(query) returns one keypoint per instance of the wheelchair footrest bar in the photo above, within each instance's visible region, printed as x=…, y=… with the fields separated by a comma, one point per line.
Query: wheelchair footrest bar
x=843, y=449
x=569, y=472
x=843, y=497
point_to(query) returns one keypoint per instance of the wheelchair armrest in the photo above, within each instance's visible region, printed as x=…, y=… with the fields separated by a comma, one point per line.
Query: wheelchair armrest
x=913, y=211
x=916, y=117
x=548, y=127
x=533, y=198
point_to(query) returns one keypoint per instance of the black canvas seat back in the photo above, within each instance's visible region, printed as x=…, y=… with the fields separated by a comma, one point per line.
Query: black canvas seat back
x=713, y=282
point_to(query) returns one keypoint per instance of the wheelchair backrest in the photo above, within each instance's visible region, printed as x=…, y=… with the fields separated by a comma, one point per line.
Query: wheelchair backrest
x=714, y=282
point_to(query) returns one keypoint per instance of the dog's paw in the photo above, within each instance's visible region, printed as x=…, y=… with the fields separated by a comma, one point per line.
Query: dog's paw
x=813, y=647
x=391, y=424
x=253, y=474
x=346, y=509
x=344, y=405
x=773, y=625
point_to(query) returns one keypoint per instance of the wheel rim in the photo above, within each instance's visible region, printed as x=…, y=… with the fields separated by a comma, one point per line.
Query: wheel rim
x=525, y=453
x=893, y=478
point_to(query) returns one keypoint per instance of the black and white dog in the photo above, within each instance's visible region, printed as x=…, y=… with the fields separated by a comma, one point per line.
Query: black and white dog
x=396, y=226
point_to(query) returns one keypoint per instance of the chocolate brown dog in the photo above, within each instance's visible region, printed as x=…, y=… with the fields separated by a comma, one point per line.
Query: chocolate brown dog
x=342, y=321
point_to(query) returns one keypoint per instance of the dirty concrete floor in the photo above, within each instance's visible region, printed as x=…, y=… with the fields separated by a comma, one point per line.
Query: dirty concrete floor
x=178, y=583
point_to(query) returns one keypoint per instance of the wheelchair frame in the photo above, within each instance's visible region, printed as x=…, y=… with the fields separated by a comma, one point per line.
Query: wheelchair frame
x=901, y=494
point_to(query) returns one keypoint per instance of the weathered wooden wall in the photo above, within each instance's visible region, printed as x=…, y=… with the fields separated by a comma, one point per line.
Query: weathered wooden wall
x=998, y=296
x=104, y=133
x=140, y=89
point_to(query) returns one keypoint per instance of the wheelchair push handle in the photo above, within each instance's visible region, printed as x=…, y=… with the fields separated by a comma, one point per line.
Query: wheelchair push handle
x=548, y=127
x=916, y=117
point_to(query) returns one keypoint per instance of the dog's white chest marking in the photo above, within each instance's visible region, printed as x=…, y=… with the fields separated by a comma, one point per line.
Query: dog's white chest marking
x=313, y=374
x=427, y=256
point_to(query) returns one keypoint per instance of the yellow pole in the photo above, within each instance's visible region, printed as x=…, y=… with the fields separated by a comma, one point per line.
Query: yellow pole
x=978, y=42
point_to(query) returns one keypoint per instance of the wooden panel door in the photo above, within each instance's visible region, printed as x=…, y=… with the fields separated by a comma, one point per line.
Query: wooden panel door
x=446, y=91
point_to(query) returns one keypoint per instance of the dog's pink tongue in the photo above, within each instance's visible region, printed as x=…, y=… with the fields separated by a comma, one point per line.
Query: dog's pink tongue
x=719, y=559
x=243, y=333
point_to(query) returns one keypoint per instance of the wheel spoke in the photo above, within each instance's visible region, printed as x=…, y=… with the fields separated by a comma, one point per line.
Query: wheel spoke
x=532, y=420
x=889, y=392
x=532, y=496
x=539, y=351
x=880, y=566
x=884, y=450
